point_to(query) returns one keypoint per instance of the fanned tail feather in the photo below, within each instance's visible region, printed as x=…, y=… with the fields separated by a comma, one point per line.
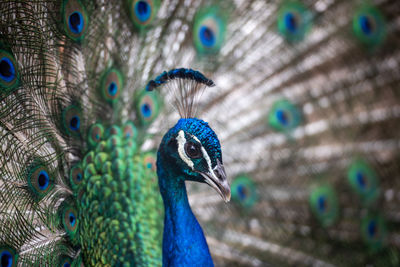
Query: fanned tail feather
x=306, y=105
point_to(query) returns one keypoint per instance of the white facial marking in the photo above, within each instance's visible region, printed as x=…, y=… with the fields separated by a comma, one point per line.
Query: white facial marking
x=205, y=155
x=197, y=139
x=208, y=160
x=181, y=149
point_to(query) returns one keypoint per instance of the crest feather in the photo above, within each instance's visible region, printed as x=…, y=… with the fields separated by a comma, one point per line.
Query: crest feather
x=187, y=85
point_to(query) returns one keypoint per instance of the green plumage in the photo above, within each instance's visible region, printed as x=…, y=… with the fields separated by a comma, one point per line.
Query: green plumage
x=118, y=191
x=79, y=134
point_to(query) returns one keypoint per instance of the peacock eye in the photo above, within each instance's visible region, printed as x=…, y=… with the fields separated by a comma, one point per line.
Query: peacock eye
x=193, y=150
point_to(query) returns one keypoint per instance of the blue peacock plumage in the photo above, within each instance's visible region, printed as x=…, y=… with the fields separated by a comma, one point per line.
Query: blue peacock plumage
x=199, y=159
x=107, y=156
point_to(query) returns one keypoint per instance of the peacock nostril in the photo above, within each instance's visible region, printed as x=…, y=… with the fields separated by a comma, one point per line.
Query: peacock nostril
x=219, y=171
x=218, y=174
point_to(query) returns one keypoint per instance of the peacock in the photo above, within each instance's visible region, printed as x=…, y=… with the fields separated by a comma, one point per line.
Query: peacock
x=127, y=126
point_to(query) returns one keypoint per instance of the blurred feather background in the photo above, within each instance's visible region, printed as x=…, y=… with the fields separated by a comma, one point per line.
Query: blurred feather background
x=307, y=108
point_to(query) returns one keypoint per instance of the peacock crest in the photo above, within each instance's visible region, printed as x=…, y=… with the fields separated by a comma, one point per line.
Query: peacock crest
x=112, y=132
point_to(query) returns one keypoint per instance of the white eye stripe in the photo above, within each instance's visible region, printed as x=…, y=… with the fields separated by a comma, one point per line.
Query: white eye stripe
x=195, y=138
x=208, y=160
x=205, y=155
x=181, y=149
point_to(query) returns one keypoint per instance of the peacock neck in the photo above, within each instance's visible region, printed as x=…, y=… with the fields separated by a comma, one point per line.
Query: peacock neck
x=184, y=243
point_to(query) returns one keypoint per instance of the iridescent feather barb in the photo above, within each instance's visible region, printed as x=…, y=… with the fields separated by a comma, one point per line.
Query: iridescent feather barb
x=186, y=85
x=307, y=112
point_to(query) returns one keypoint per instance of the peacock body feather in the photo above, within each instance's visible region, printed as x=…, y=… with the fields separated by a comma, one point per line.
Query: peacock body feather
x=103, y=130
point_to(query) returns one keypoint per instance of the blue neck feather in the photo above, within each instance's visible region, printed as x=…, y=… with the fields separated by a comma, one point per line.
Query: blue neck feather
x=184, y=243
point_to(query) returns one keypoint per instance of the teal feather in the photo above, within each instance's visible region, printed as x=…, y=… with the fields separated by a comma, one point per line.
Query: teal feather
x=324, y=205
x=294, y=20
x=374, y=231
x=284, y=116
x=369, y=25
x=364, y=181
x=147, y=107
x=306, y=108
x=39, y=179
x=111, y=85
x=209, y=29
x=244, y=192
x=142, y=12
x=9, y=74
x=75, y=19
x=72, y=120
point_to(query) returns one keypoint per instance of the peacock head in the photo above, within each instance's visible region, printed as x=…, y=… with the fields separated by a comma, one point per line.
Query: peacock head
x=192, y=151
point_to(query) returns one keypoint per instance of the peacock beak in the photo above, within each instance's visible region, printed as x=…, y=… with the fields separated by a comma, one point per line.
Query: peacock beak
x=217, y=180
